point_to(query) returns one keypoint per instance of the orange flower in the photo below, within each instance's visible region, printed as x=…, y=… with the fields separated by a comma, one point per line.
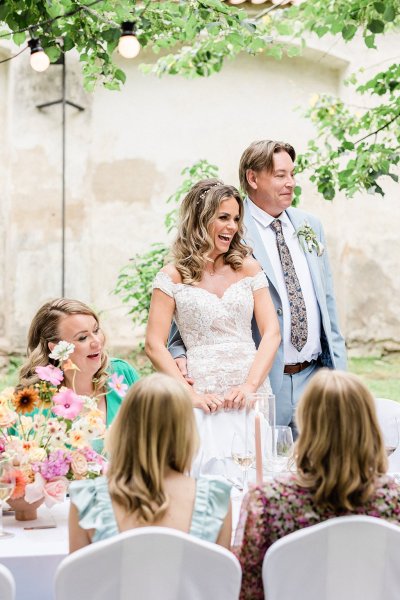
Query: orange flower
x=26, y=400
x=68, y=365
x=20, y=483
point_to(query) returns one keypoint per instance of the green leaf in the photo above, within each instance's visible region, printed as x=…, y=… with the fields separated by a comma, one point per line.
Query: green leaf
x=120, y=75
x=390, y=14
x=53, y=52
x=284, y=29
x=275, y=51
x=19, y=38
x=348, y=32
x=293, y=51
x=376, y=26
x=379, y=7
x=370, y=41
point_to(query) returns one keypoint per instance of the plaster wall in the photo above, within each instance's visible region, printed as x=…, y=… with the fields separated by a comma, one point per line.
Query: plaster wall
x=125, y=152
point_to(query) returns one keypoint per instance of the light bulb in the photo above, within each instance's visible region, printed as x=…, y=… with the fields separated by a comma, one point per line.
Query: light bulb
x=39, y=59
x=128, y=45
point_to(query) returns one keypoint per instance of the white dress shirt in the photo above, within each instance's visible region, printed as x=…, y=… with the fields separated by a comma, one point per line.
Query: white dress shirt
x=312, y=348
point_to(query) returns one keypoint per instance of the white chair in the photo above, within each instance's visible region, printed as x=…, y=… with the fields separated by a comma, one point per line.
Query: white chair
x=7, y=584
x=344, y=558
x=388, y=412
x=151, y=563
x=387, y=409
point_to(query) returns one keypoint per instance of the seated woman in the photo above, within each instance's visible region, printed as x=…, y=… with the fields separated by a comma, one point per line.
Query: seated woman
x=152, y=443
x=74, y=322
x=341, y=470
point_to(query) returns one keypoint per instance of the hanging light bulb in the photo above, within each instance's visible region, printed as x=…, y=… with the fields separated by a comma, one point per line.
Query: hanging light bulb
x=39, y=59
x=128, y=45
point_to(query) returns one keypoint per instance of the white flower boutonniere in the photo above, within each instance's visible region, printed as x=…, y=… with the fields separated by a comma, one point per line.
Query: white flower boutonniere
x=308, y=239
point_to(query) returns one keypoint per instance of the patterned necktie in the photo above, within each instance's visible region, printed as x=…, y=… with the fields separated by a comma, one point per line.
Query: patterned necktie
x=298, y=312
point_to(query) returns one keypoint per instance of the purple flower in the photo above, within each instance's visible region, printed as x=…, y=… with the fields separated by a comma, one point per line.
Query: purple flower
x=56, y=465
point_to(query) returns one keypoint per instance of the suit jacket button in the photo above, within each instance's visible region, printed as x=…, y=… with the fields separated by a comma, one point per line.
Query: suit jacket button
x=279, y=311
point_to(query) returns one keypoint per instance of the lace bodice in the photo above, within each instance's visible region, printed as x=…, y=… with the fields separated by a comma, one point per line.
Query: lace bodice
x=215, y=330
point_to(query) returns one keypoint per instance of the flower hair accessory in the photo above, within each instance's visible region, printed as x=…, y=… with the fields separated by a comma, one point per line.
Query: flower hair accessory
x=308, y=239
x=205, y=192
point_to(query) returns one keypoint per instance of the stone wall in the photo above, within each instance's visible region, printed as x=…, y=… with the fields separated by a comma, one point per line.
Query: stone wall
x=125, y=152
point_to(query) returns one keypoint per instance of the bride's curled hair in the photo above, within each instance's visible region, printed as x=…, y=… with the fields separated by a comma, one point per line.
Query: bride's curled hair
x=194, y=243
x=154, y=430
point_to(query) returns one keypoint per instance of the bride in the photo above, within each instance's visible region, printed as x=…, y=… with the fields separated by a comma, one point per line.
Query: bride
x=211, y=289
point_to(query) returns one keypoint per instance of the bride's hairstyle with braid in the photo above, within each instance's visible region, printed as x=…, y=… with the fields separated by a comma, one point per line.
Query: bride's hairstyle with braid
x=44, y=329
x=194, y=243
x=154, y=429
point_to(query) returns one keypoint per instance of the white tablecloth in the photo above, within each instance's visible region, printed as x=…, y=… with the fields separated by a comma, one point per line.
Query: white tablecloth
x=33, y=555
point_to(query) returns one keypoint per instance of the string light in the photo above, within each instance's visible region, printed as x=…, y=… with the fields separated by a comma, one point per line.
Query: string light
x=39, y=59
x=128, y=45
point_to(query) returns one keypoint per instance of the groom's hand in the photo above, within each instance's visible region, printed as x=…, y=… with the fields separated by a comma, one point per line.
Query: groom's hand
x=181, y=363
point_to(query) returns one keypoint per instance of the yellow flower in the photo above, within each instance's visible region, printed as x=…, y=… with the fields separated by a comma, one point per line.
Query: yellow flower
x=77, y=439
x=79, y=465
x=6, y=395
x=313, y=100
x=7, y=416
x=25, y=400
x=37, y=455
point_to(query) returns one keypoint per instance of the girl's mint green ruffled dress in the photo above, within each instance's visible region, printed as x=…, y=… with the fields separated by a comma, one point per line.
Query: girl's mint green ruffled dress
x=92, y=499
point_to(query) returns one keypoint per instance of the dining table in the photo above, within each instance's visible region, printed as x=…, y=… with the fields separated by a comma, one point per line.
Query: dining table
x=35, y=550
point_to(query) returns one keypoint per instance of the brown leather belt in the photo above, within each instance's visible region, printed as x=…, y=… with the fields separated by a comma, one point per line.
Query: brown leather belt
x=297, y=367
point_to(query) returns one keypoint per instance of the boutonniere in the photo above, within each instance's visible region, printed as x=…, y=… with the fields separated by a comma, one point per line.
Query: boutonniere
x=308, y=239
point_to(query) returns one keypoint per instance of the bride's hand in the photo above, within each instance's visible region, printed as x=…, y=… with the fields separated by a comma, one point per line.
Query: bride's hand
x=235, y=398
x=209, y=403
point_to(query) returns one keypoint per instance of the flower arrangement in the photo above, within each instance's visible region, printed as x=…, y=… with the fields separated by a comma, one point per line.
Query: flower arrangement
x=52, y=445
x=308, y=239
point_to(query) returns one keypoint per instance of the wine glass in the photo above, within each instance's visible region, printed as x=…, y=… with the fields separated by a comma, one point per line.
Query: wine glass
x=282, y=448
x=243, y=454
x=391, y=435
x=7, y=485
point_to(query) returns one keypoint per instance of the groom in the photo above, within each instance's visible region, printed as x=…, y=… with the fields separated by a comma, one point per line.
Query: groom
x=289, y=245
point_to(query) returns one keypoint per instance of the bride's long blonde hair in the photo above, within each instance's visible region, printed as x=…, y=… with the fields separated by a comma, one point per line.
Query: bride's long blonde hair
x=193, y=243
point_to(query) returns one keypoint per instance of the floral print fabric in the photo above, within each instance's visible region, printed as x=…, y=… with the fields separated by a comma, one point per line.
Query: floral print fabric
x=270, y=512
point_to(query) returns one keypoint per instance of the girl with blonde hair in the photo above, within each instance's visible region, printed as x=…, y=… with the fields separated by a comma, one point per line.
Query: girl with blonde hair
x=341, y=470
x=73, y=321
x=211, y=290
x=152, y=443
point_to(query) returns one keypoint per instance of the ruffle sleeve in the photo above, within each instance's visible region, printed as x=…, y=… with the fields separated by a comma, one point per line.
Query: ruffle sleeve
x=259, y=281
x=162, y=281
x=210, y=507
x=92, y=499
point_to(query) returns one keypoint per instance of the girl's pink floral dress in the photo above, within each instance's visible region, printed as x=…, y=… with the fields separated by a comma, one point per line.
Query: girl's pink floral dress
x=281, y=507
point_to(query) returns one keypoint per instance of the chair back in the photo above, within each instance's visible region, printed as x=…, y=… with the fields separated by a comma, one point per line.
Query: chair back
x=7, y=584
x=150, y=563
x=344, y=558
x=388, y=412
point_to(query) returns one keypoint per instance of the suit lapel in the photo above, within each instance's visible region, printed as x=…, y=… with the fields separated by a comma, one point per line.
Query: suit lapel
x=254, y=240
x=311, y=257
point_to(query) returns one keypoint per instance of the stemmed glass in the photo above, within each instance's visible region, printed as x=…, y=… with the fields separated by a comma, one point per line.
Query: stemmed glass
x=391, y=435
x=282, y=449
x=243, y=454
x=7, y=485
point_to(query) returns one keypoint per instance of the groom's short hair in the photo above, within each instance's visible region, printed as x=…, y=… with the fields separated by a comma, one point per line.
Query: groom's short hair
x=260, y=155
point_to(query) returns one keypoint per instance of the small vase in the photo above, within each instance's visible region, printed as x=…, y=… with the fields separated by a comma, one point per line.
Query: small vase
x=25, y=511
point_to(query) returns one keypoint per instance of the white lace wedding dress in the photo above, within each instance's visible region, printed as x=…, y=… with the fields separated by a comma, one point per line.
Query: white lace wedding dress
x=220, y=350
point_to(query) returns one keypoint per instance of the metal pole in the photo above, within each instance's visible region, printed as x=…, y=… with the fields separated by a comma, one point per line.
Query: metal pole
x=63, y=101
x=63, y=181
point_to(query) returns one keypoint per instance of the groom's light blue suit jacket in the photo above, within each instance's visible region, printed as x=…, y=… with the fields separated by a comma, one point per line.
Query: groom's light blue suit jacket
x=332, y=343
